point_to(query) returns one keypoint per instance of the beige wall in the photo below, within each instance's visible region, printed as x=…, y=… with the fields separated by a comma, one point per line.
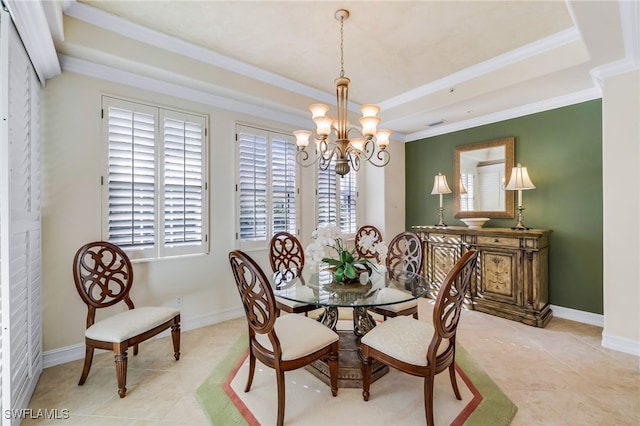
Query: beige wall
x=72, y=208
x=621, y=183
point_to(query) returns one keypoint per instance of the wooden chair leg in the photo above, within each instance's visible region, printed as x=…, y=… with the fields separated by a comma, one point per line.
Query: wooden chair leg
x=454, y=383
x=333, y=369
x=175, y=336
x=366, y=376
x=252, y=368
x=121, y=372
x=135, y=349
x=88, y=359
x=281, y=395
x=428, y=399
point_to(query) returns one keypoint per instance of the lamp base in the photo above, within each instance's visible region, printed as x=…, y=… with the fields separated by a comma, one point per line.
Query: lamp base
x=520, y=226
x=441, y=221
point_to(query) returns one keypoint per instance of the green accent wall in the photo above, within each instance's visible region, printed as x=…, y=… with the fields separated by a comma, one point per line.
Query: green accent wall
x=562, y=150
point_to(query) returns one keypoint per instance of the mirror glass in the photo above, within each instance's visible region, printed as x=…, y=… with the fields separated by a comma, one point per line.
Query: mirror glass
x=480, y=172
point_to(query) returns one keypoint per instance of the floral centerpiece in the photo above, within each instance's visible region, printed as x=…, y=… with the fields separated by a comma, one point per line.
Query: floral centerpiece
x=346, y=266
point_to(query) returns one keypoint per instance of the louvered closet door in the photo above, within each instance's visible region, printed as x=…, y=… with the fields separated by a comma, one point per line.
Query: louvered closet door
x=20, y=236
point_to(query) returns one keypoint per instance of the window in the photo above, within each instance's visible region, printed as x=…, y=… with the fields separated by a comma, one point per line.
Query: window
x=337, y=199
x=267, y=186
x=155, y=190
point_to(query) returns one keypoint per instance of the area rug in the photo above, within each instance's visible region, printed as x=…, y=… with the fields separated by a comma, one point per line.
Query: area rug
x=396, y=398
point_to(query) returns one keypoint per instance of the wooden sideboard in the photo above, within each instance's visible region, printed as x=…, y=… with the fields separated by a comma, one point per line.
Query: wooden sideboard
x=512, y=273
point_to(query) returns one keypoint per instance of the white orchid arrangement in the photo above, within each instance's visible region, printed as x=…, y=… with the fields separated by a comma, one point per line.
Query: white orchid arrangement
x=346, y=264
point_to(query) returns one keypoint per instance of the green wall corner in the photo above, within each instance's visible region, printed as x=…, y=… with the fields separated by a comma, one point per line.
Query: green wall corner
x=562, y=149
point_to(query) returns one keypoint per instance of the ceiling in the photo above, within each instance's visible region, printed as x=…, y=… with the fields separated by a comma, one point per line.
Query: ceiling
x=457, y=63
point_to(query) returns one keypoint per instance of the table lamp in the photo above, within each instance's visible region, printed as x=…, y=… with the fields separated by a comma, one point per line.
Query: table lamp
x=440, y=187
x=519, y=181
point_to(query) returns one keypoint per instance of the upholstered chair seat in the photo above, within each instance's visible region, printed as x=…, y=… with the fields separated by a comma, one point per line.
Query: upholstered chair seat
x=299, y=336
x=128, y=324
x=403, y=338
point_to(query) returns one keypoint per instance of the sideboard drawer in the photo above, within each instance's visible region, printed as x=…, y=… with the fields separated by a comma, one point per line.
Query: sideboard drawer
x=498, y=241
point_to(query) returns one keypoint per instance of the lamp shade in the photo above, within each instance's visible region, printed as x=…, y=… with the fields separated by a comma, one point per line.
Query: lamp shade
x=462, y=190
x=519, y=179
x=440, y=185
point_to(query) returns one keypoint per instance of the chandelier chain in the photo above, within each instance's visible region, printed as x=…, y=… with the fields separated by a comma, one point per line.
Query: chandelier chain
x=341, y=47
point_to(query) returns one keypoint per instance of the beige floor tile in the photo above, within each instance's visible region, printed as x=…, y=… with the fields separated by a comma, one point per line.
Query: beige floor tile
x=559, y=375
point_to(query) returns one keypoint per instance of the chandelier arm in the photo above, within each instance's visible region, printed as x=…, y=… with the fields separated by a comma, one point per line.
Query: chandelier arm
x=383, y=156
x=302, y=158
x=354, y=160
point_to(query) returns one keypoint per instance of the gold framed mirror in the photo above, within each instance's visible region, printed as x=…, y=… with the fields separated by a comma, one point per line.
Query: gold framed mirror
x=480, y=173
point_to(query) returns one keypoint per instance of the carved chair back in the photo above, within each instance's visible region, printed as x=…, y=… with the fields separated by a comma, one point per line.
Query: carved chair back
x=257, y=296
x=363, y=232
x=405, y=252
x=285, y=252
x=448, y=305
x=103, y=276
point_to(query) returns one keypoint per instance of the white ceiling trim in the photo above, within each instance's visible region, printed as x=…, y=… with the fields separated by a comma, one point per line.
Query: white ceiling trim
x=548, y=104
x=113, y=23
x=31, y=22
x=127, y=78
x=538, y=47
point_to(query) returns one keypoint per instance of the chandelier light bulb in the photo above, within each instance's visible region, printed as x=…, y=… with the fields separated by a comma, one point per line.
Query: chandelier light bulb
x=369, y=110
x=382, y=138
x=318, y=110
x=358, y=144
x=302, y=138
x=369, y=125
x=323, y=125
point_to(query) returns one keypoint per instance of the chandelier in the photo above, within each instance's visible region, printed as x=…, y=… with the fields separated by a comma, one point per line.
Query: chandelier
x=348, y=152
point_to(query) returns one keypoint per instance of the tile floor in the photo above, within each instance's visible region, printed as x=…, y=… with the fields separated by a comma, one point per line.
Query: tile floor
x=559, y=375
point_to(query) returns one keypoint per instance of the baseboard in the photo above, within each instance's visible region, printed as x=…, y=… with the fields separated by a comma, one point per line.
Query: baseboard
x=579, y=316
x=75, y=352
x=621, y=344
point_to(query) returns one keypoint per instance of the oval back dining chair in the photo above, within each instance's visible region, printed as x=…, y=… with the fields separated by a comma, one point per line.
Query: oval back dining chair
x=286, y=253
x=103, y=276
x=283, y=343
x=405, y=253
x=420, y=348
x=367, y=231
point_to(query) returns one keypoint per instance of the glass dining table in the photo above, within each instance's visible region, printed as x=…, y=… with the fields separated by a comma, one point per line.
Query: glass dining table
x=316, y=286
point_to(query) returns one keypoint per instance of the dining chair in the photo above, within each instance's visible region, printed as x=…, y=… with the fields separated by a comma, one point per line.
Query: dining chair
x=103, y=276
x=283, y=343
x=405, y=253
x=420, y=348
x=286, y=253
x=363, y=232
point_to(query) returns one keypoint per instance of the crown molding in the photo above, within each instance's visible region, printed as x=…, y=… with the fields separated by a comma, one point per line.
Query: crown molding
x=201, y=95
x=548, y=104
x=532, y=49
x=31, y=22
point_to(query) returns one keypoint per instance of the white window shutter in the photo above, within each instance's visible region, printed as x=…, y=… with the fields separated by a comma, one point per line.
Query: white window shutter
x=131, y=180
x=252, y=185
x=327, y=196
x=184, y=194
x=283, y=186
x=20, y=224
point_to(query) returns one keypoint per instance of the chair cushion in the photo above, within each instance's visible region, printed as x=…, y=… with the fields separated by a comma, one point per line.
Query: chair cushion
x=403, y=338
x=299, y=336
x=392, y=293
x=128, y=324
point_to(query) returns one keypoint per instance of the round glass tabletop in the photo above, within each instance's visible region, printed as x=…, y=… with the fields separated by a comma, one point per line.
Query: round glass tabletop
x=316, y=286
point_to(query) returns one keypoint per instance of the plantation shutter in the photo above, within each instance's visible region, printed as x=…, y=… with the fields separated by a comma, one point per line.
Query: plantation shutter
x=327, y=196
x=20, y=224
x=132, y=176
x=348, y=194
x=184, y=180
x=252, y=184
x=283, y=187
